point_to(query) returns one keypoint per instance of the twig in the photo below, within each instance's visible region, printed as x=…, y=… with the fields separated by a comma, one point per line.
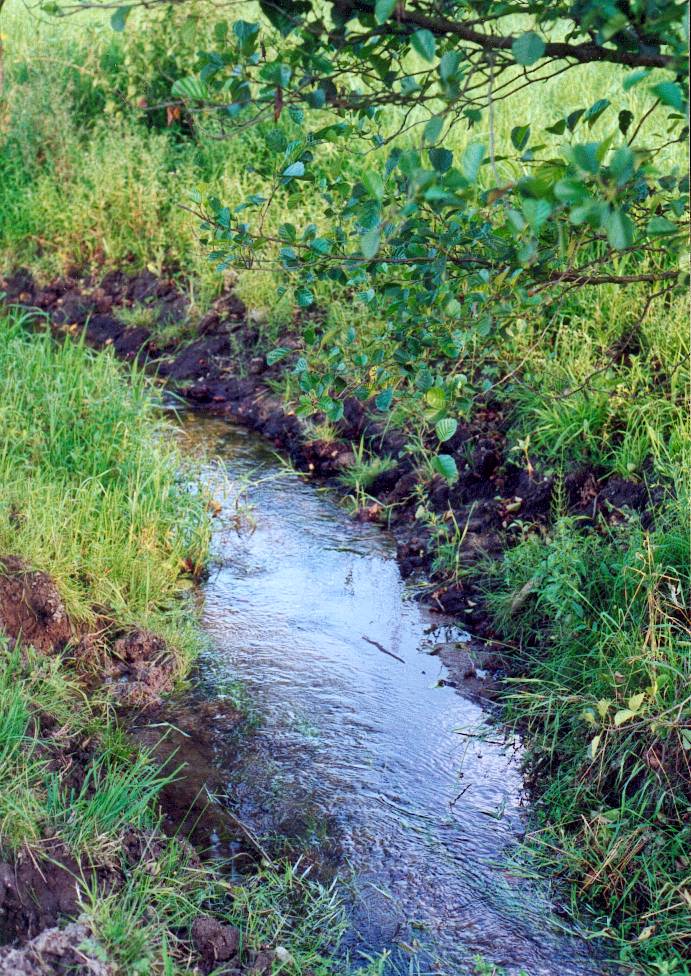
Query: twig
x=382, y=649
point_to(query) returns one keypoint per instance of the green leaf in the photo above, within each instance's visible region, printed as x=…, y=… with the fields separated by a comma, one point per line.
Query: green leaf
x=520, y=134
x=295, y=169
x=471, y=161
x=621, y=165
x=119, y=17
x=441, y=159
x=528, y=48
x=334, y=411
x=594, y=746
x=192, y=87
x=436, y=397
x=304, y=297
x=445, y=465
x=635, y=78
x=669, y=93
x=585, y=156
x=445, y=428
x=660, y=225
x=603, y=706
x=276, y=355
x=424, y=44
x=571, y=191
x=536, y=213
x=373, y=184
x=595, y=111
x=635, y=701
x=623, y=715
x=383, y=10
x=246, y=32
x=321, y=245
x=433, y=128
x=449, y=65
x=383, y=400
x=573, y=119
x=369, y=242
x=619, y=228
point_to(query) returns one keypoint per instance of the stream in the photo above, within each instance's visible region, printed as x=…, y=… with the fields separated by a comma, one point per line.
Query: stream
x=405, y=785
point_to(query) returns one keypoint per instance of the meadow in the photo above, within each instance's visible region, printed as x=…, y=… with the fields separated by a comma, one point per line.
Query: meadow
x=594, y=612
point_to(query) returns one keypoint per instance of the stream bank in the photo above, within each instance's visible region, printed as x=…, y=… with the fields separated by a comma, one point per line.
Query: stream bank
x=365, y=758
x=217, y=363
x=204, y=371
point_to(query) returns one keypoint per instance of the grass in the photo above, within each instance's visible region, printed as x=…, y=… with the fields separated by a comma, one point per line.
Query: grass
x=143, y=925
x=94, y=492
x=363, y=472
x=600, y=623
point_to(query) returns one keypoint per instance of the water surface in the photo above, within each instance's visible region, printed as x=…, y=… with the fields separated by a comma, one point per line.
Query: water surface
x=367, y=759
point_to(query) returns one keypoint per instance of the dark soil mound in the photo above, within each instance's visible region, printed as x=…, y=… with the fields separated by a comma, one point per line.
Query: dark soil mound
x=35, y=893
x=141, y=669
x=214, y=941
x=31, y=609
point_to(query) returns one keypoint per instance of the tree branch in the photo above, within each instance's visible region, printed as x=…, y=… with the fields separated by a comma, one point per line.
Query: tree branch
x=586, y=53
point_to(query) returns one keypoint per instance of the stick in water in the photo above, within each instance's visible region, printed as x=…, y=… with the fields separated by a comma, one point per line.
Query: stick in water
x=382, y=649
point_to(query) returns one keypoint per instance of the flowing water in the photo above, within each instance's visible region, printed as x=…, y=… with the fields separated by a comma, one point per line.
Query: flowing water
x=401, y=781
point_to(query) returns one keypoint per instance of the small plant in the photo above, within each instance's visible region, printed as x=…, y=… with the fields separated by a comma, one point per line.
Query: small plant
x=365, y=468
x=448, y=538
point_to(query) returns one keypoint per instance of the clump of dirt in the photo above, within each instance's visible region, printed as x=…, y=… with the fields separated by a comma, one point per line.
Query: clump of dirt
x=31, y=608
x=56, y=952
x=36, y=891
x=215, y=942
x=141, y=668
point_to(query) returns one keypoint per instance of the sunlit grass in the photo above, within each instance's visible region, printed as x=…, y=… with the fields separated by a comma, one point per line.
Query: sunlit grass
x=92, y=492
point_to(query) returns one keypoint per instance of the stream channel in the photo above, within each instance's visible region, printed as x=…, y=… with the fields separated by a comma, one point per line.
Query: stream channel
x=404, y=785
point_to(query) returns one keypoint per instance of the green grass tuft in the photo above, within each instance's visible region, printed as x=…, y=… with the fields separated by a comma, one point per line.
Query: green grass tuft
x=94, y=493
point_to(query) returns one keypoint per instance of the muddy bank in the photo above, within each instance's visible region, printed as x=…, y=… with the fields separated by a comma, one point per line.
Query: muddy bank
x=45, y=883
x=213, y=364
x=136, y=666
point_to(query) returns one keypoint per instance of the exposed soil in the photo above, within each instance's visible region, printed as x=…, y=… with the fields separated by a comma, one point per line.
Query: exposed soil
x=141, y=668
x=138, y=666
x=492, y=501
x=31, y=608
x=40, y=887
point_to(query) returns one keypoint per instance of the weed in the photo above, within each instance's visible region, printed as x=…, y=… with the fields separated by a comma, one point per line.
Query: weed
x=366, y=467
x=601, y=621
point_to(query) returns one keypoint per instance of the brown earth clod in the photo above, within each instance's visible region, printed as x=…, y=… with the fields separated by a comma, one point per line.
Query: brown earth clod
x=31, y=608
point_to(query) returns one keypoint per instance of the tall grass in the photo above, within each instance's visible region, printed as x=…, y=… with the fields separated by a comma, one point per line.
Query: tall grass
x=94, y=492
x=600, y=623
